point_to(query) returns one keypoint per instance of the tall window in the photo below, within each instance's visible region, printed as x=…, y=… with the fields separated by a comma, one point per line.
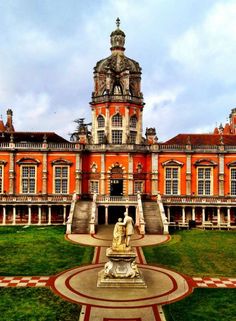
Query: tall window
x=133, y=137
x=116, y=136
x=133, y=121
x=61, y=179
x=28, y=179
x=138, y=186
x=117, y=120
x=1, y=178
x=94, y=187
x=233, y=181
x=100, y=136
x=101, y=121
x=172, y=180
x=204, y=181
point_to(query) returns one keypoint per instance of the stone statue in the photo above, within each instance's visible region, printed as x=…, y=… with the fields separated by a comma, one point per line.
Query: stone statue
x=129, y=228
x=118, y=243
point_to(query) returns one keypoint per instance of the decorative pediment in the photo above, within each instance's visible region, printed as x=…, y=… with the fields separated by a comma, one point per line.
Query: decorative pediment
x=172, y=162
x=232, y=164
x=205, y=162
x=61, y=161
x=3, y=162
x=28, y=161
x=93, y=167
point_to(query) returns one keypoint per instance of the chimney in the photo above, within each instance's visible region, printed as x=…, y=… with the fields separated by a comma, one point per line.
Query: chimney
x=9, y=125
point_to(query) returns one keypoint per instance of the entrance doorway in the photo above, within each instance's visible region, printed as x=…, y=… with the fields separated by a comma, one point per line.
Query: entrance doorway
x=114, y=212
x=116, y=187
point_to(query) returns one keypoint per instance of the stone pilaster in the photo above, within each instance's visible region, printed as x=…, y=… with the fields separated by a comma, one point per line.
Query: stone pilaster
x=154, y=174
x=188, y=175
x=221, y=175
x=102, y=178
x=45, y=173
x=130, y=174
x=78, y=176
x=12, y=173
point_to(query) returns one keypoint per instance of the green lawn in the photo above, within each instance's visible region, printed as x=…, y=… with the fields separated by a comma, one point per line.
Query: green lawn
x=31, y=304
x=39, y=251
x=204, y=305
x=197, y=253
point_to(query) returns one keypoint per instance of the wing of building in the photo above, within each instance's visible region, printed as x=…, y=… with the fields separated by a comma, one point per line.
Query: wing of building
x=189, y=180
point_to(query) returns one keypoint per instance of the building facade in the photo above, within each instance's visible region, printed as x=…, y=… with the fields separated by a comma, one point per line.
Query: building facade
x=114, y=168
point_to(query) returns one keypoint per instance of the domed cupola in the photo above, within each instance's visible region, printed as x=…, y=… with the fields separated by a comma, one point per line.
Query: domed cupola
x=117, y=100
x=117, y=75
x=117, y=38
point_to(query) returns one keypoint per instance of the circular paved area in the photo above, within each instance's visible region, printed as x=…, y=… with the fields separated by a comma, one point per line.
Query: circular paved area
x=80, y=285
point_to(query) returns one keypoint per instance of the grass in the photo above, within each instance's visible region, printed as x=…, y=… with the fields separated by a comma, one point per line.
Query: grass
x=31, y=304
x=204, y=305
x=197, y=253
x=39, y=251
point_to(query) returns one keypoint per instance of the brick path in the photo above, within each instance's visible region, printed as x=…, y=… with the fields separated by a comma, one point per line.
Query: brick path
x=101, y=304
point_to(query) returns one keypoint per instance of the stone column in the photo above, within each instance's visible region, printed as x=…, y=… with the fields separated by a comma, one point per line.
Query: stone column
x=193, y=213
x=39, y=215
x=107, y=124
x=221, y=175
x=106, y=214
x=64, y=214
x=126, y=125
x=228, y=216
x=183, y=214
x=203, y=215
x=154, y=174
x=29, y=215
x=218, y=215
x=94, y=126
x=49, y=215
x=14, y=215
x=140, y=126
x=102, y=179
x=188, y=175
x=78, y=178
x=130, y=174
x=45, y=173
x=168, y=213
x=12, y=173
x=4, y=215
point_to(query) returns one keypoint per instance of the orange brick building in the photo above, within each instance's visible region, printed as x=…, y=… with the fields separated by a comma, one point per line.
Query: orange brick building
x=112, y=168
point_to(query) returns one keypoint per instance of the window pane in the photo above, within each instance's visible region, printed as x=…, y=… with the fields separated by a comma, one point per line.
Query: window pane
x=61, y=179
x=133, y=122
x=117, y=120
x=117, y=136
x=101, y=121
x=133, y=137
x=101, y=136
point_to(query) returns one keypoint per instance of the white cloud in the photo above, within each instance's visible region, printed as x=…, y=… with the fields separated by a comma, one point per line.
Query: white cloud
x=210, y=48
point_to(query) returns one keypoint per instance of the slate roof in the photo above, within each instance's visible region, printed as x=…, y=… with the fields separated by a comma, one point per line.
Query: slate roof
x=32, y=137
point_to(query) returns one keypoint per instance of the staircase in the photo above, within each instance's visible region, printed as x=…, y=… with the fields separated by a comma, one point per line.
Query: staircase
x=152, y=217
x=81, y=217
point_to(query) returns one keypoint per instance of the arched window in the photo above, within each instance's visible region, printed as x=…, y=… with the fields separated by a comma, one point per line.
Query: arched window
x=117, y=120
x=133, y=121
x=101, y=121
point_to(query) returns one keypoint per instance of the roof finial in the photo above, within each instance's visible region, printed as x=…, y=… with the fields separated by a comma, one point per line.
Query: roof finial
x=118, y=23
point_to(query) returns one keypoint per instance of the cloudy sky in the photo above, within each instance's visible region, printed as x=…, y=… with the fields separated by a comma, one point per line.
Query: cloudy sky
x=186, y=48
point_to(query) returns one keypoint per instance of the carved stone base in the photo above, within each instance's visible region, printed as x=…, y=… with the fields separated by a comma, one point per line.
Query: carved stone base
x=121, y=271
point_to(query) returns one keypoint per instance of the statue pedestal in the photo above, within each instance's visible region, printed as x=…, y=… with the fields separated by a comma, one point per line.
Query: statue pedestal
x=121, y=271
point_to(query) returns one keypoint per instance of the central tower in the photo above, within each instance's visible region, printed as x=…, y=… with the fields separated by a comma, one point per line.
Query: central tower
x=117, y=100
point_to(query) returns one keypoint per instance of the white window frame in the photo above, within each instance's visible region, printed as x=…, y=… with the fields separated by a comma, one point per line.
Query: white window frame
x=115, y=122
x=204, y=180
x=232, y=180
x=100, y=132
x=133, y=124
x=172, y=180
x=133, y=137
x=99, y=119
x=138, y=186
x=94, y=186
x=116, y=139
x=28, y=179
x=61, y=179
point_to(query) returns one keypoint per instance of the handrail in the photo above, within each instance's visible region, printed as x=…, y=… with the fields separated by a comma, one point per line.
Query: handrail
x=71, y=214
x=93, y=215
x=163, y=215
x=140, y=219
